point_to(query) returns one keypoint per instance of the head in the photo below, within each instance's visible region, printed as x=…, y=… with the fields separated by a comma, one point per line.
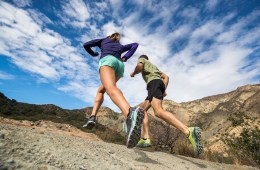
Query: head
x=115, y=36
x=144, y=56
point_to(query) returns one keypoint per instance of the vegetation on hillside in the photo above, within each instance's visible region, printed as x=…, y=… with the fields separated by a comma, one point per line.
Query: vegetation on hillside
x=22, y=111
x=246, y=146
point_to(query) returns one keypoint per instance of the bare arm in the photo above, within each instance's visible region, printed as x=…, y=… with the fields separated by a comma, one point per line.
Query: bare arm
x=138, y=69
x=165, y=79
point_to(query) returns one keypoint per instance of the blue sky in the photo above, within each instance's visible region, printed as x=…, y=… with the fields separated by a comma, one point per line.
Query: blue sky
x=207, y=47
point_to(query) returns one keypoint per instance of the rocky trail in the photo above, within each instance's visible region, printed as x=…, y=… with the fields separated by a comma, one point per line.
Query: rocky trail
x=44, y=145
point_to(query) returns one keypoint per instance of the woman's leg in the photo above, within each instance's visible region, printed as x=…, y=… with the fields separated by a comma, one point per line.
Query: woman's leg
x=108, y=79
x=99, y=98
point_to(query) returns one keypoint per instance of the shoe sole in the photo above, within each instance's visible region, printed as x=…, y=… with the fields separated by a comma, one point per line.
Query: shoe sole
x=89, y=125
x=135, y=131
x=198, y=143
x=144, y=146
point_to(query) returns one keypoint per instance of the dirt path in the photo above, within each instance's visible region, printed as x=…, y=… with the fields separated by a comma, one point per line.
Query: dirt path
x=45, y=145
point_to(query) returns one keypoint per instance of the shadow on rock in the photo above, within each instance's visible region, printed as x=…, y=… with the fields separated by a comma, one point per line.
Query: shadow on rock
x=144, y=158
x=197, y=164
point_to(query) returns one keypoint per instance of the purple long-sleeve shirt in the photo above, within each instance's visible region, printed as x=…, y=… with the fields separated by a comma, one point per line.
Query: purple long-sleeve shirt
x=110, y=47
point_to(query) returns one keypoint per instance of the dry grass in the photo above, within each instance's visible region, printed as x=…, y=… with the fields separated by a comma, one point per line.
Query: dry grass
x=184, y=148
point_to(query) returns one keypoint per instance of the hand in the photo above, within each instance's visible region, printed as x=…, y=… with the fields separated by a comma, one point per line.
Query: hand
x=95, y=54
x=132, y=74
x=164, y=94
x=123, y=59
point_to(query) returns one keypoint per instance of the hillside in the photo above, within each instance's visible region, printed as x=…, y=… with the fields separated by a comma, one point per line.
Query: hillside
x=10, y=108
x=47, y=145
x=230, y=124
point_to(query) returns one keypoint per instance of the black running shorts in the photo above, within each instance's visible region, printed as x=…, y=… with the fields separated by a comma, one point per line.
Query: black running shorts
x=155, y=88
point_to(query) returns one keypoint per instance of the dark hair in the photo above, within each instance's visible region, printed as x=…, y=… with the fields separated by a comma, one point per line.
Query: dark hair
x=144, y=56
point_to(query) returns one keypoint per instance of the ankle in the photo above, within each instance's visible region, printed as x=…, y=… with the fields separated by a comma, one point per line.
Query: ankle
x=188, y=134
x=92, y=116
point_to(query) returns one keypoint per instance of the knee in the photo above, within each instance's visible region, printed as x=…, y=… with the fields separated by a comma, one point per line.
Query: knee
x=111, y=90
x=101, y=89
x=158, y=113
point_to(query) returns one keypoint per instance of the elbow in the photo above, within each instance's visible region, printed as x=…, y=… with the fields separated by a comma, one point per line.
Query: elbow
x=167, y=77
x=85, y=45
x=139, y=67
x=135, y=45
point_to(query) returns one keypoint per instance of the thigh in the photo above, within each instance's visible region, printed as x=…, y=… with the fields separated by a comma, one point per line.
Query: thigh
x=156, y=104
x=107, y=76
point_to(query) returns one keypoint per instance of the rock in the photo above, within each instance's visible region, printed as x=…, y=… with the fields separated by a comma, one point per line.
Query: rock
x=2, y=136
x=11, y=161
x=82, y=168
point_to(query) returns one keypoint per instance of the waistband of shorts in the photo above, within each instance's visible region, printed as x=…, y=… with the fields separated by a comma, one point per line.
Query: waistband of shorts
x=107, y=56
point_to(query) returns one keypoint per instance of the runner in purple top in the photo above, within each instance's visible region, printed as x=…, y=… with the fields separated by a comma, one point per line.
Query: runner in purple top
x=111, y=69
x=111, y=47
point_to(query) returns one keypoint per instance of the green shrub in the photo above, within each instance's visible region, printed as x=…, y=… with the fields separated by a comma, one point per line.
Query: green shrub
x=246, y=146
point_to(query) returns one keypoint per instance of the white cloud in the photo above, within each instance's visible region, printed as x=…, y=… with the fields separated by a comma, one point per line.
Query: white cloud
x=200, y=70
x=75, y=12
x=212, y=4
x=190, y=12
x=180, y=32
x=39, y=17
x=6, y=76
x=110, y=28
x=23, y=3
x=41, y=51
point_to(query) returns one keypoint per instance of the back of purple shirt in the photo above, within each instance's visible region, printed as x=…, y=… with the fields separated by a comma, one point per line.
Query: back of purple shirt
x=110, y=47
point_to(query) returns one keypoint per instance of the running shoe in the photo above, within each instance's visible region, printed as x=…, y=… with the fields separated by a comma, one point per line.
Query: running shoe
x=195, y=140
x=143, y=143
x=90, y=123
x=133, y=126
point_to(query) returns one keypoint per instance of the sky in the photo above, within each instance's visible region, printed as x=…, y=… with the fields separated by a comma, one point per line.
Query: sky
x=206, y=47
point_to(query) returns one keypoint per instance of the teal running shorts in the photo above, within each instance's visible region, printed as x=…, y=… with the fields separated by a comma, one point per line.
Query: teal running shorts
x=114, y=63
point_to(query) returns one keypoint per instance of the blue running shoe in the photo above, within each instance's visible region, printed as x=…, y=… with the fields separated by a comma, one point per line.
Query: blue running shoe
x=133, y=126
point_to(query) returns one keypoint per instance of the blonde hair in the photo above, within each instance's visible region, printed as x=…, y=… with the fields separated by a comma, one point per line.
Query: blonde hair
x=115, y=36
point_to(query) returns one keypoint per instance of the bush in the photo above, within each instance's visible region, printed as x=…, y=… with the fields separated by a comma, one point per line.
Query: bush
x=237, y=118
x=246, y=146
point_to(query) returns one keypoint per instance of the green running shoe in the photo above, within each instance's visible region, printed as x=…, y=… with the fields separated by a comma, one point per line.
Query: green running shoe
x=143, y=143
x=195, y=140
